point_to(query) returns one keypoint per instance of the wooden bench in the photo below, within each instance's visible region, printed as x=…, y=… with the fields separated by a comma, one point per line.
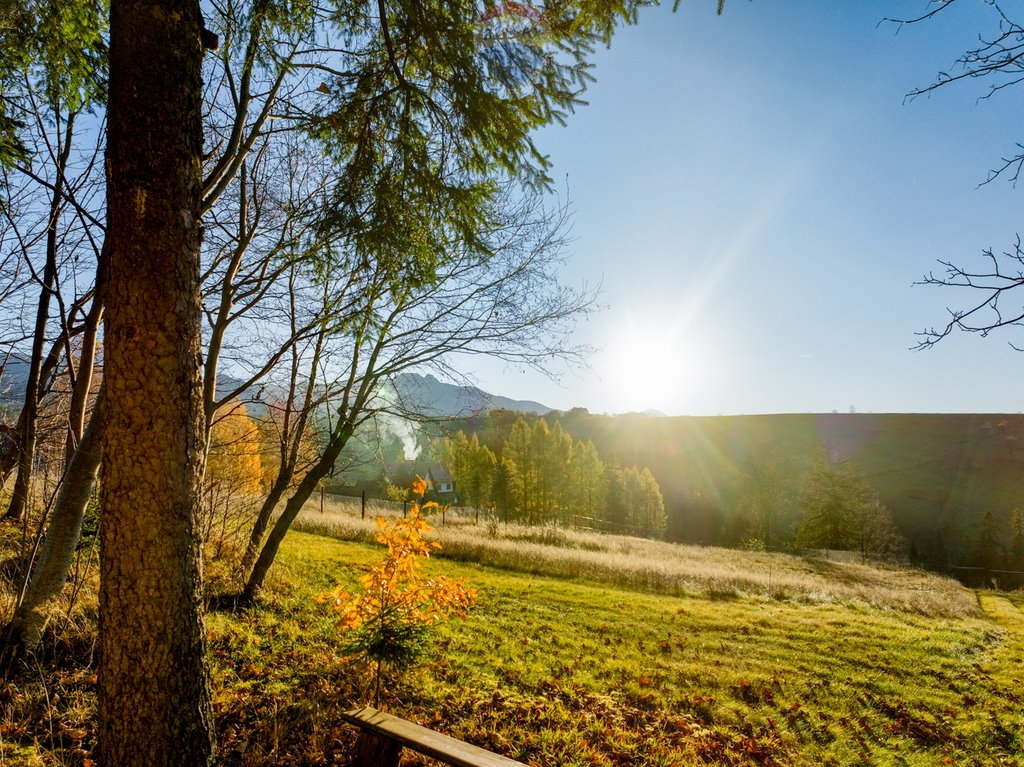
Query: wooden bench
x=383, y=736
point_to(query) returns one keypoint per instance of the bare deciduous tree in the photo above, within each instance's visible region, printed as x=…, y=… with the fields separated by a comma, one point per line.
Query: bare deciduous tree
x=998, y=60
x=508, y=305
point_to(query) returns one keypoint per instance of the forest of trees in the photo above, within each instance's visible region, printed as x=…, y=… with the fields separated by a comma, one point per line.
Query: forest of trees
x=741, y=480
x=540, y=475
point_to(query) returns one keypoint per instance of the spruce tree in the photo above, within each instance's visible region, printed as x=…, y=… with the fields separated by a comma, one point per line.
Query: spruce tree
x=988, y=550
x=1017, y=542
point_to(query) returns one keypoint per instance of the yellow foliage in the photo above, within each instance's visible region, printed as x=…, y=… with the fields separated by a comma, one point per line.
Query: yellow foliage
x=419, y=486
x=233, y=462
x=387, y=621
x=394, y=588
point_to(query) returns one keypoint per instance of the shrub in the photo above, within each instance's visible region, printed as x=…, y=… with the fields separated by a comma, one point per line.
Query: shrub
x=388, y=622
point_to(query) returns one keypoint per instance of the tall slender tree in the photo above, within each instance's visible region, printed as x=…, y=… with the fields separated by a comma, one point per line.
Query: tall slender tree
x=587, y=475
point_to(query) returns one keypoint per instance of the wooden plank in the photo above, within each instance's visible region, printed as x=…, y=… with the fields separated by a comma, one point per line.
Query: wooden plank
x=426, y=741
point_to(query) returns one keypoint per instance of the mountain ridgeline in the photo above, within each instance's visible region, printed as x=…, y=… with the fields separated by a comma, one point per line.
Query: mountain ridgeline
x=938, y=474
x=426, y=395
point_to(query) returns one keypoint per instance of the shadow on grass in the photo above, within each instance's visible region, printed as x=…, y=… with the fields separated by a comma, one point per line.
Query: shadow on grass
x=849, y=573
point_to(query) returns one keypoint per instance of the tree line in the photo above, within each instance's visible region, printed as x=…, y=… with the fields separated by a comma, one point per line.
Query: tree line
x=540, y=475
x=764, y=497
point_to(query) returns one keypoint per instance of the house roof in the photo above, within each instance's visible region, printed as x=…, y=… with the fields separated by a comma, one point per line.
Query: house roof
x=439, y=474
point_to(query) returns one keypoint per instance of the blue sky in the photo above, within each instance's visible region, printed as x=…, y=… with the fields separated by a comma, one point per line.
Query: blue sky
x=757, y=198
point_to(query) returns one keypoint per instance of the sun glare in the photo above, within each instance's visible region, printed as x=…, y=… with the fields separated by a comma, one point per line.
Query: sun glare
x=650, y=366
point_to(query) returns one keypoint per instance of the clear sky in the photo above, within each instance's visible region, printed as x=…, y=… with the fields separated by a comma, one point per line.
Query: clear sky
x=757, y=199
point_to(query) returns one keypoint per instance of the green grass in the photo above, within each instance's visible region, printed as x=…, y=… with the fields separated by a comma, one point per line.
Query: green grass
x=597, y=666
x=672, y=569
x=556, y=672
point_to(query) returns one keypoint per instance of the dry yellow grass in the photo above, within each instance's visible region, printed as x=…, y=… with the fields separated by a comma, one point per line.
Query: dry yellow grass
x=666, y=568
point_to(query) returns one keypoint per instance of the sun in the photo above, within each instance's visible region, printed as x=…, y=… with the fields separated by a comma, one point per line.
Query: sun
x=649, y=365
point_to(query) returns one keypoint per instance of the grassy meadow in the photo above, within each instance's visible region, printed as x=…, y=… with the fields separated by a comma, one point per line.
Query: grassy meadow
x=586, y=649
x=660, y=567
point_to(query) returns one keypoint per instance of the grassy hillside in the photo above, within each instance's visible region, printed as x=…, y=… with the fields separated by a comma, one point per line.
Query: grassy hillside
x=938, y=473
x=638, y=654
x=562, y=673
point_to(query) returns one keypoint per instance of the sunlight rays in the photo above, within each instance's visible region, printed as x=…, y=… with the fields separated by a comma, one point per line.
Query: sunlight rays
x=658, y=357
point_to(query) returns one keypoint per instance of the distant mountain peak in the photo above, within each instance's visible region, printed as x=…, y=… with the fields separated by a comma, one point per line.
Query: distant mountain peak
x=426, y=395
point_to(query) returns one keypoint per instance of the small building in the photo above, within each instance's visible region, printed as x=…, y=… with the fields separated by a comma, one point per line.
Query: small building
x=441, y=484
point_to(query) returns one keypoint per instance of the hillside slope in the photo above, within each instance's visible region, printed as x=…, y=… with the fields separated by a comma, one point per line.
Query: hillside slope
x=938, y=473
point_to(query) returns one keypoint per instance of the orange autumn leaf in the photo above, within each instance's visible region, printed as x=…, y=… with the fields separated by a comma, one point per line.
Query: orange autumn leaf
x=419, y=486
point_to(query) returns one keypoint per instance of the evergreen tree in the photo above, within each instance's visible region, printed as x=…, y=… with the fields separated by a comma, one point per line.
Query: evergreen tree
x=520, y=475
x=541, y=474
x=508, y=490
x=1017, y=542
x=831, y=498
x=632, y=494
x=586, y=478
x=616, y=510
x=557, y=460
x=988, y=550
x=643, y=509
x=480, y=490
x=652, y=505
x=841, y=511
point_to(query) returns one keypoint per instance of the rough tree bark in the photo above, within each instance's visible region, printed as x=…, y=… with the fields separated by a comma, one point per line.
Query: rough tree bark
x=154, y=706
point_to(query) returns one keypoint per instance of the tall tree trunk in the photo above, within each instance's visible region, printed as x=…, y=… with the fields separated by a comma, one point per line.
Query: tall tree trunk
x=154, y=705
x=62, y=535
x=259, y=527
x=86, y=360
